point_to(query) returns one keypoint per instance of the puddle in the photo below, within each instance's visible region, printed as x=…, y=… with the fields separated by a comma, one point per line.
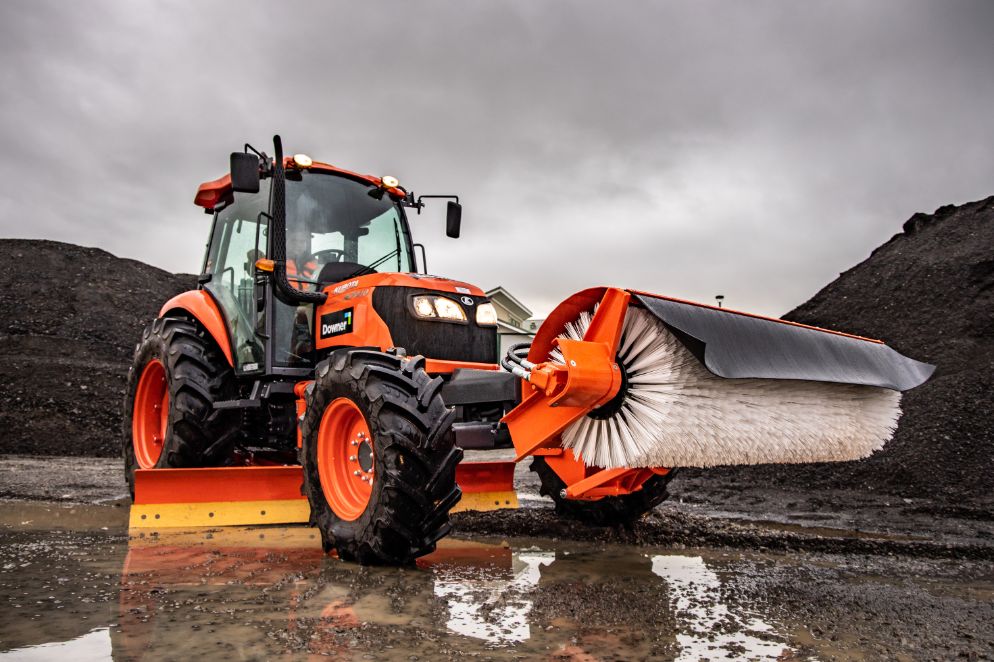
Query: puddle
x=709, y=628
x=250, y=593
x=94, y=646
x=260, y=592
x=478, y=606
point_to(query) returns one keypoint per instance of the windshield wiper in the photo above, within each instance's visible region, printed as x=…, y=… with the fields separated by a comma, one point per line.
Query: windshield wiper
x=374, y=264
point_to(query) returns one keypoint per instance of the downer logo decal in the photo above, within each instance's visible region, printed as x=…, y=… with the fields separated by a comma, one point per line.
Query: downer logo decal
x=337, y=323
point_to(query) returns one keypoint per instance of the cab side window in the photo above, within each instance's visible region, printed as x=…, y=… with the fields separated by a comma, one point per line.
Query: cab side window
x=240, y=238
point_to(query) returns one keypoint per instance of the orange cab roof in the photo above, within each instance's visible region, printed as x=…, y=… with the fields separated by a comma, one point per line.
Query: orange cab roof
x=209, y=194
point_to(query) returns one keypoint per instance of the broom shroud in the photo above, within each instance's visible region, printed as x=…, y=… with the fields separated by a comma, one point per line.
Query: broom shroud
x=675, y=412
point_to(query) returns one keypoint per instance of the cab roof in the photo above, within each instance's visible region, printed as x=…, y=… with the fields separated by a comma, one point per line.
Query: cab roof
x=210, y=194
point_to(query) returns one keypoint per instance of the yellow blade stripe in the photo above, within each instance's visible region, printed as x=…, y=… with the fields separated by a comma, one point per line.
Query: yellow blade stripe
x=486, y=501
x=219, y=513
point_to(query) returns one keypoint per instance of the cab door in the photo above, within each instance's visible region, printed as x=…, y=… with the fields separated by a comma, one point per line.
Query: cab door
x=240, y=237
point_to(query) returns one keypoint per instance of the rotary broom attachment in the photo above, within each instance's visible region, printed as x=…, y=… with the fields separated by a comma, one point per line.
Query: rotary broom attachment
x=670, y=411
x=693, y=385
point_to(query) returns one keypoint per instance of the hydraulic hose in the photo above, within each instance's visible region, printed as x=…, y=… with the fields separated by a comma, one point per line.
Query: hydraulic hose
x=518, y=365
x=283, y=289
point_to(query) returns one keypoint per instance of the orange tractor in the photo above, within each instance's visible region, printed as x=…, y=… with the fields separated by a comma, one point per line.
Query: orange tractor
x=319, y=374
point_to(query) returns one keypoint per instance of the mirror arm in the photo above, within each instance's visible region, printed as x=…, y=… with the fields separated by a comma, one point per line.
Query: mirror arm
x=418, y=205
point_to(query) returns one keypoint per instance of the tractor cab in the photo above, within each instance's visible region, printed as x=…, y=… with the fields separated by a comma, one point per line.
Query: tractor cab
x=338, y=226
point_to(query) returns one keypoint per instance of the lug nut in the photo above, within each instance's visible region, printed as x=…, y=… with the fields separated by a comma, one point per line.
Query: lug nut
x=356, y=473
x=355, y=443
x=352, y=458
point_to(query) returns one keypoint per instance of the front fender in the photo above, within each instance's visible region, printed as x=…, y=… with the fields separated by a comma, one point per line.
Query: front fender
x=202, y=306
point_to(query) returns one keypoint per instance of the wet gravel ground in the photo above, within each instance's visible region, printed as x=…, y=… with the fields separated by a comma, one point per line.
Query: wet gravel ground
x=697, y=580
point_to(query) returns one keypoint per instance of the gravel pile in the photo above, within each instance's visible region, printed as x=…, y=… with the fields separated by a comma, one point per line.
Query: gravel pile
x=929, y=293
x=69, y=318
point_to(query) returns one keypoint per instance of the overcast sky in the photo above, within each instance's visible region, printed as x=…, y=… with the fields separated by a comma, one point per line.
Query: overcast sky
x=753, y=149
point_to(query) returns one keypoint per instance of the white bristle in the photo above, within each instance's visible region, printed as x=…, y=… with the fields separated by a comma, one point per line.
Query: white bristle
x=677, y=413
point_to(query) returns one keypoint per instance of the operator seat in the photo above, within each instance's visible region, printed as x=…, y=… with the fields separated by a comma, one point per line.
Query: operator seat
x=334, y=272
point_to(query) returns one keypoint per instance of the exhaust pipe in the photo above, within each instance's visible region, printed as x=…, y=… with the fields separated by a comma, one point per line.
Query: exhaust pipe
x=283, y=289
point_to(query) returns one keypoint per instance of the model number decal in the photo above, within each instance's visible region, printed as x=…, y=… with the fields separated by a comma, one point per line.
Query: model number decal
x=345, y=286
x=357, y=293
x=336, y=323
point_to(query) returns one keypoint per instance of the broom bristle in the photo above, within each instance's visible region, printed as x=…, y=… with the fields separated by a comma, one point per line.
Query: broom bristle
x=677, y=413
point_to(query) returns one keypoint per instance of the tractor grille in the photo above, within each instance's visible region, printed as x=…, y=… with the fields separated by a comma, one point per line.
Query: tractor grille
x=431, y=338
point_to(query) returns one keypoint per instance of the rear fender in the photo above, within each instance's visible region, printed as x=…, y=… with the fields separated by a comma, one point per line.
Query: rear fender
x=204, y=309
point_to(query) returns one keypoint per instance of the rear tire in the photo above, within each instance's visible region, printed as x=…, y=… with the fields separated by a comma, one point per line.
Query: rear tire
x=193, y=374
x=608, y=511
x=409, y=458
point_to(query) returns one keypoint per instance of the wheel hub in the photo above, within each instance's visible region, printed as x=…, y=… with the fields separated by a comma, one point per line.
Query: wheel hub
x=150, y=417
x=611, y=407
x=345, y=459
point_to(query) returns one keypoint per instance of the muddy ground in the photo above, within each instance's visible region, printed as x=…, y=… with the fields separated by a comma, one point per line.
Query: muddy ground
x=763, y=575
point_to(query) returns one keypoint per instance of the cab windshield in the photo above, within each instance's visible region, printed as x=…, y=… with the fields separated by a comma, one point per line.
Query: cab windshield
x=337, y=228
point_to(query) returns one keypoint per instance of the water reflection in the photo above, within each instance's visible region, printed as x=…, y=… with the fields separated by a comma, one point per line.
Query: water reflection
x=479, y=606
x=709, y=628
x=256, y=593
x=94, y=646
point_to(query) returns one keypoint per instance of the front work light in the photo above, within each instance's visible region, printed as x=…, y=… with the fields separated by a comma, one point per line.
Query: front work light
x=486, y=314
x=449, y=310
x=432, y=307
x=423, y=307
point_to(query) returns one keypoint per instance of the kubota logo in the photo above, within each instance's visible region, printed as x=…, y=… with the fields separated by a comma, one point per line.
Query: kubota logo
x=345, y=286
x=337, y=323
x=467, y=300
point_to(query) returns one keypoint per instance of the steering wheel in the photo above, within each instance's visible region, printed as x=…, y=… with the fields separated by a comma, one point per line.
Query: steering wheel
x=327, y=255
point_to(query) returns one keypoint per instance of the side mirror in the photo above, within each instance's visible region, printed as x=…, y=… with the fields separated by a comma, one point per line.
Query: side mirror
x=453, y=219
x=244, y=172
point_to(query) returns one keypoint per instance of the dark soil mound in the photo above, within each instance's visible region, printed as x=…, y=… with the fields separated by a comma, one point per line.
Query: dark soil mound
x=929, y=292
x=69, y=320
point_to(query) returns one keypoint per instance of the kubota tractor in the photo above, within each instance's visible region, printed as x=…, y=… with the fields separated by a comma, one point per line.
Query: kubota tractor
x=318, y=357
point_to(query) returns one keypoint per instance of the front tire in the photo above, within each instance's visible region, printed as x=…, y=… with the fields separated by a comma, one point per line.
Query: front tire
x=177, y=375
x=379, y=462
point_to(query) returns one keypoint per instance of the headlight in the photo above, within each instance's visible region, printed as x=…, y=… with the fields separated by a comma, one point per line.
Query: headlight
x=438, y=307
x=423, y=307
x=448, y=309
x=486, y=314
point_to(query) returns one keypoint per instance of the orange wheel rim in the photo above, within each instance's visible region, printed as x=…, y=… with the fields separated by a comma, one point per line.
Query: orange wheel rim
x=151, y=415
x=345, y=459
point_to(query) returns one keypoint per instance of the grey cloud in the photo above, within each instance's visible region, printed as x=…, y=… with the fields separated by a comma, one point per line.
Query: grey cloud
x=753, y=149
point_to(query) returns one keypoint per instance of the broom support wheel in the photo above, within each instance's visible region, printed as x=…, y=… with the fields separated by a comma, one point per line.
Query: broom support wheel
x=629, y=504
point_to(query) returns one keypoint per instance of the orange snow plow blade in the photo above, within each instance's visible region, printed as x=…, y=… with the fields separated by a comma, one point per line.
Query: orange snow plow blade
x=254, y=495
x=486, y=486
x=223, y=496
